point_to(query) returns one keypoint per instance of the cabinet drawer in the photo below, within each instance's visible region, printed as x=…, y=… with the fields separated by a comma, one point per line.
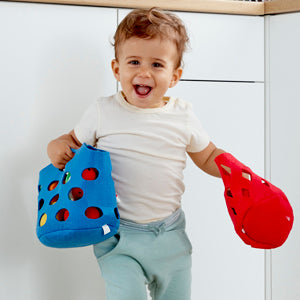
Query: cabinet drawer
x=232, y=113
x=222, y=47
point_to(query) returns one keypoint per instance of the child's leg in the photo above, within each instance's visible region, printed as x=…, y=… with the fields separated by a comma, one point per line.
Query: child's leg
x=124, y=278
x=164, y=251
x=176, y=286
x=157, y=253
x=171, y=272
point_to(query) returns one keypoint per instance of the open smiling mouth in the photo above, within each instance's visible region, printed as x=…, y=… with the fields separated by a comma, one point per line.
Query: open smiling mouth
x=142, y=90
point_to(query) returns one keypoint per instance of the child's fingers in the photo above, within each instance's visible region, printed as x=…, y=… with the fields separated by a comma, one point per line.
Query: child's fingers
x=69, y=154
x=61, y=163
x=59, y=166
x=75, y=146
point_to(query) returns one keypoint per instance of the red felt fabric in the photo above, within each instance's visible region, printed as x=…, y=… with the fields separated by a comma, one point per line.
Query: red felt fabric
x=261, y=213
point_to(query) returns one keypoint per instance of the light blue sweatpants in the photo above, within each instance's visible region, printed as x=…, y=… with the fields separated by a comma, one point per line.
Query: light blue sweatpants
x=156, y=254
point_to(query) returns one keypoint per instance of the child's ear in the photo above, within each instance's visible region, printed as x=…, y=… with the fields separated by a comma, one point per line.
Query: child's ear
x=115, y=68
x=176, y=76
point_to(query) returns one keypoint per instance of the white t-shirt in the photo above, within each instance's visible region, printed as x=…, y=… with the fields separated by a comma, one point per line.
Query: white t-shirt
x=148, y=151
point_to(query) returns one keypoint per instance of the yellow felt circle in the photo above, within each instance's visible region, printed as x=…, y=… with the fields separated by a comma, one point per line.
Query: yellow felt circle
x=43, y=220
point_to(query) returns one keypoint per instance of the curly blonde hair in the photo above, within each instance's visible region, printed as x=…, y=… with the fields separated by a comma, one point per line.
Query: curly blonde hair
x=151, y=23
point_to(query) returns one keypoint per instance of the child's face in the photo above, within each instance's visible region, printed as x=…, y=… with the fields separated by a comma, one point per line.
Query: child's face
x=146, y=69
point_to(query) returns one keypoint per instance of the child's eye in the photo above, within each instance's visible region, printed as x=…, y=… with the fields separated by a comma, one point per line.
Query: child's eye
x=157, y=65
x=134, y=62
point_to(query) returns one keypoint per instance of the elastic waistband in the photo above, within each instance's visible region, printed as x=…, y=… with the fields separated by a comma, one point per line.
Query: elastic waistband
x=156, y=226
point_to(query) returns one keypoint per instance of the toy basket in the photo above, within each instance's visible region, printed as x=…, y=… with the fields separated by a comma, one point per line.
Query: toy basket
x=261, y=213
x=77, y=206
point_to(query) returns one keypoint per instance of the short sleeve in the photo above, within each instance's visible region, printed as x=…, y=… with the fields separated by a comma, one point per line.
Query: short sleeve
x=86, y=128
x=199, y=139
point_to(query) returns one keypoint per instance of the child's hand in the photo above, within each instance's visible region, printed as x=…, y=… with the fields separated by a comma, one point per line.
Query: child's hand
x=59, y=150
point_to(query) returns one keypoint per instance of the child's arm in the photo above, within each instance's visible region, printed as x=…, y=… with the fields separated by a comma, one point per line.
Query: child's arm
x=205, y=159
x=59, y=150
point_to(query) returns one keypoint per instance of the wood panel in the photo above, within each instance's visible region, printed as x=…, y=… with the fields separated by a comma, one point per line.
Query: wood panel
x=213, y=6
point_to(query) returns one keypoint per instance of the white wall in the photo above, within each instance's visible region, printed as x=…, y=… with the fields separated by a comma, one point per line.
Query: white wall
x=54, y=60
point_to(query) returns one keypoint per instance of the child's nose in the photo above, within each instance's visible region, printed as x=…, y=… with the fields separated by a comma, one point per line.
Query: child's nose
x=144, y=72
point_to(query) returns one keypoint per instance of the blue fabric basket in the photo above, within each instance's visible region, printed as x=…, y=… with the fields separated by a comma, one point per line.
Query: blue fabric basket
x=77, y=206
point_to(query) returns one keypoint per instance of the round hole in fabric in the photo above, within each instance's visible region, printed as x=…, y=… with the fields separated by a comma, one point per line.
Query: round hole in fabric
x=93, y=212
x=66, y=178
x=52, y=185
x=41, y=204
x=54, y=200
x=75, y=194
x=90, y=174
x=62, y=215
x=43, y=220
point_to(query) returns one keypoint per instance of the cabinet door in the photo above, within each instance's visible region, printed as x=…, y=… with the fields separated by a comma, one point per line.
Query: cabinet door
x=223, y=266
x=54, y=60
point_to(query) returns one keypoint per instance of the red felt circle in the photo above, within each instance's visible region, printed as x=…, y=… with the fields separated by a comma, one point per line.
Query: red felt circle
x=90, y=174
x=75, y=194
x=93, y=212
x=62, y=215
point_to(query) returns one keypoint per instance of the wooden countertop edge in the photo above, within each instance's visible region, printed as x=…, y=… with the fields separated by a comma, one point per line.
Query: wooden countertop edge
x=281, y=6
x=205, y=6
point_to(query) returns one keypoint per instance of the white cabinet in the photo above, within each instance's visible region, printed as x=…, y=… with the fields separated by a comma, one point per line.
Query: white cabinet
x=54, y=60
x=223, y=266
x=284, y=139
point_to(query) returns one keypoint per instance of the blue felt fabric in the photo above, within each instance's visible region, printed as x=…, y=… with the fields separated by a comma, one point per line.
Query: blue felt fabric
x=65, y=221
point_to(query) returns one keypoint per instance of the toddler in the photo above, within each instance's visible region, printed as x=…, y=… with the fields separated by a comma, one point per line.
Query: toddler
x=147, y=135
